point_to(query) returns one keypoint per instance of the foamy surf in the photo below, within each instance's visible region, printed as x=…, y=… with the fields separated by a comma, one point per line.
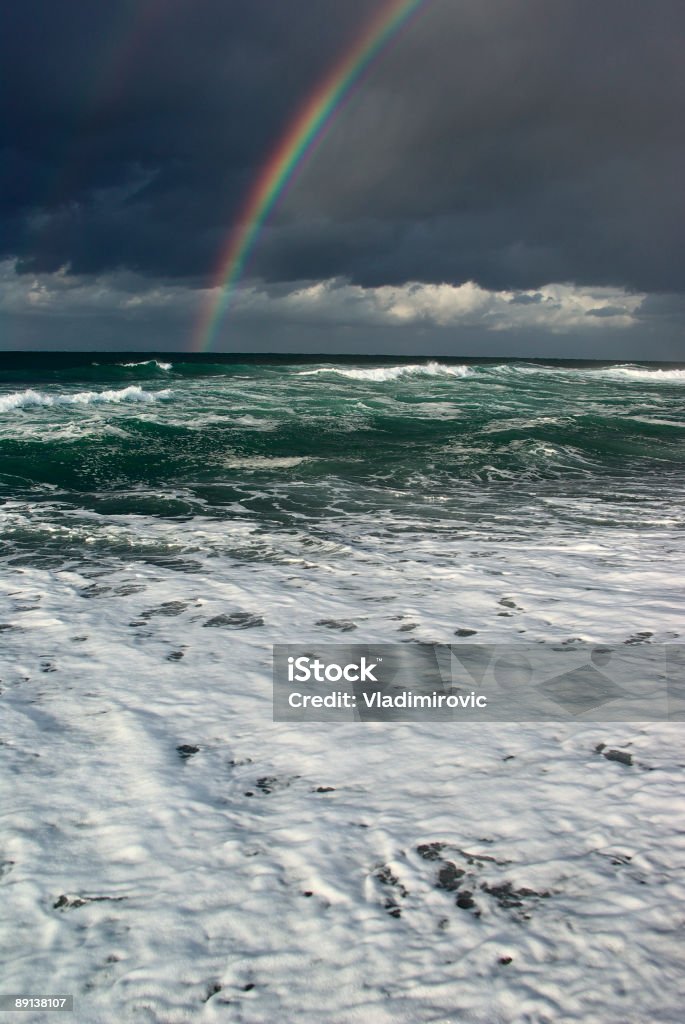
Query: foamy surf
x=32, y=399
x=149, y=362
x=264, y=462
x=387, y=373
x=644, y=375
x=641, y=374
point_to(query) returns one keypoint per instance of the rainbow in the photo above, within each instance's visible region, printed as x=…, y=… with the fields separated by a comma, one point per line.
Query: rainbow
x=303, y=134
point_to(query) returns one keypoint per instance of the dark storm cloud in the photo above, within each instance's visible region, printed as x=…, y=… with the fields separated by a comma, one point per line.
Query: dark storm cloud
x=513, y=142
x=130, y=130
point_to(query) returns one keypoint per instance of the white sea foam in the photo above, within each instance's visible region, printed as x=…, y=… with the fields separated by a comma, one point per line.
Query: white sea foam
x=29, y=398
x=184, y=876
x=265, y=462
x=638, y=373
x=644, y=375
x=385, y=373
x=253, y=422
x=150, y=362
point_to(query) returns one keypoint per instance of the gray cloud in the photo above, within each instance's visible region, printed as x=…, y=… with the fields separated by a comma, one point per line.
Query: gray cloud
x=510, y=142
x=128, y=311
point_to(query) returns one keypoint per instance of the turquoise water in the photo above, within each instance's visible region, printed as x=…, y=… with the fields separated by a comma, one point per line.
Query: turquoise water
x=308, y=444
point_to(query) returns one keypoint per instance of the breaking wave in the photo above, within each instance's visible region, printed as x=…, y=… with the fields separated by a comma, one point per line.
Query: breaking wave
x=150, y=362
x=384, y=373
x=27, y=399
x=641, y=373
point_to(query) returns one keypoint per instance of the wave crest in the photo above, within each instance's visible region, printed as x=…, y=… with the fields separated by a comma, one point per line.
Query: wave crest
x=386, y=373
x=27, y=399
x=641, y=373
x=149, y=362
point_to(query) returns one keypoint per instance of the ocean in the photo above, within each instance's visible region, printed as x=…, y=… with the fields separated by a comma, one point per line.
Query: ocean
x=171, y=853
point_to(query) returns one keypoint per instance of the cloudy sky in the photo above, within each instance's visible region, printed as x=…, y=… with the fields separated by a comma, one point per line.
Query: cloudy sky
x=506, y=178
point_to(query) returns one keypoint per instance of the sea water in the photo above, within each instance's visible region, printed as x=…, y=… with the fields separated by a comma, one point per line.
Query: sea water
x=168, y=852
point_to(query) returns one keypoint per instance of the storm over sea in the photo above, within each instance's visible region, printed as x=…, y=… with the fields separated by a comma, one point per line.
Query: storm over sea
x=165, y=520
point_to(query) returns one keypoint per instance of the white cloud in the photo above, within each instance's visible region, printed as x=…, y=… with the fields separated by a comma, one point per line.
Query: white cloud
x=553, y=307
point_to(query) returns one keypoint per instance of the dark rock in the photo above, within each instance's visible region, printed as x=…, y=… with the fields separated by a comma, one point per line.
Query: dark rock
x=185, y=751
x=386, y=877
x=449, y=877
x=343, y=625
x=505, y=960
x=618, y=755
x=236, y=620
x=472, y=858
x=325, y=789
x=267, y=783
x=508, y=897
x=462, y=631
x=64, y=903
x=639, y=638
x=169, y=608
x=430, y=851
x=465, y=900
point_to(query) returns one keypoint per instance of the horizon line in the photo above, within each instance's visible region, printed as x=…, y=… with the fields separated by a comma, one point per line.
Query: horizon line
x=328, y=356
